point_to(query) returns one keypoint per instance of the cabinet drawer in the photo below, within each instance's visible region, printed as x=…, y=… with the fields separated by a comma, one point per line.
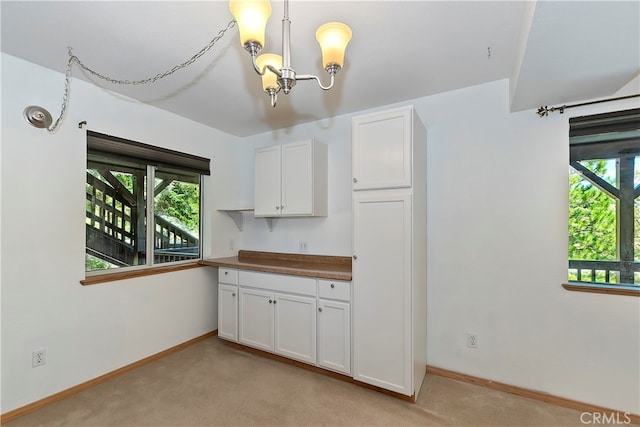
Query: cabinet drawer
x=227, y=275
x=279, y=282
x=332, y=289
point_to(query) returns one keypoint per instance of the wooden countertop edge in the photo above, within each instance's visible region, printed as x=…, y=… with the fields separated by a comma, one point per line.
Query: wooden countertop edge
x=300, y=267
x=263, y=257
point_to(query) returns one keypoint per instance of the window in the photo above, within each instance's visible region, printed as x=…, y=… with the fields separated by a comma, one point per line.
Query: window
x=604, y=207
x=140, y=200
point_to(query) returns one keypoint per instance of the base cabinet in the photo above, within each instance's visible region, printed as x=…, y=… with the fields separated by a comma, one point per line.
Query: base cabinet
x=301, y=318
x=382, y=293
x=295, y=327
x=228, y=312
x=256, y=319
x=334, y=335
x=228, y=304
x=274, y=320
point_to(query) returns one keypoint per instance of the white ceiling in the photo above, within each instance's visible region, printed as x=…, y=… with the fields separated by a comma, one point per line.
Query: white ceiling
x=554, y=52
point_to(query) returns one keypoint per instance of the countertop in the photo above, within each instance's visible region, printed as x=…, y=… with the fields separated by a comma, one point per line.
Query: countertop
x=321, y=266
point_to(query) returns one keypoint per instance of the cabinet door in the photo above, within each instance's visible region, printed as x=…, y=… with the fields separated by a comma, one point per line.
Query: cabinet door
x=297, y=179
x=334, y=336
x=267, y=181
x=381, y=144
x=382, y=345
x=255, y=325
x=296, y=327
x=228, y=312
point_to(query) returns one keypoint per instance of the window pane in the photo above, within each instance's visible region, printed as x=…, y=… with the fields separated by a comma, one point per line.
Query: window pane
x=115, y=214
x=177, y=216
x=605, y=169
x=592, y=216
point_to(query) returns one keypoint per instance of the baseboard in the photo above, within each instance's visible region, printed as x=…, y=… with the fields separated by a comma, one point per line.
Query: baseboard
x=537, y=395
x=12, y=415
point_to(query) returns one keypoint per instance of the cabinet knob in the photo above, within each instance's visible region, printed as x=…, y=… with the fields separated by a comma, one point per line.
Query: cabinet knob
x=281, y=207
x=277, y=208
x=355, y=180
x=355, y=257
x=320, y=309
x=333, y=286
x=270, y=301
x=233, y=294
x=226, y=272
x=274, y=301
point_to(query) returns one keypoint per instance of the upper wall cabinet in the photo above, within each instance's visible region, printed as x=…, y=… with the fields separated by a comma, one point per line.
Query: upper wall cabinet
x=382, y=150
x=291, y=180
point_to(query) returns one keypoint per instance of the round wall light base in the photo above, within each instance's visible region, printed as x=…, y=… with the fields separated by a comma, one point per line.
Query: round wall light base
x=37, y=116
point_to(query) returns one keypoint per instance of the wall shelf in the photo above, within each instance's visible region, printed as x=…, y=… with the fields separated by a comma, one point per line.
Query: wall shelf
x=236, y=216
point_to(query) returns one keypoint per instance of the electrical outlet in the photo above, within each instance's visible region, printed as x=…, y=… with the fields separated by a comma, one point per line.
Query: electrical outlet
x=472, y=340
x=302, y=247
x=38, y=357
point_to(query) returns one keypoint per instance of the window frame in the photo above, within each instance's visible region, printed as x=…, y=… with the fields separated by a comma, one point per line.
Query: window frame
x=153, y=158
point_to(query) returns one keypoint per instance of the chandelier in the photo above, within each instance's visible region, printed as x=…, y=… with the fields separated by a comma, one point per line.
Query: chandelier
x=276, y=71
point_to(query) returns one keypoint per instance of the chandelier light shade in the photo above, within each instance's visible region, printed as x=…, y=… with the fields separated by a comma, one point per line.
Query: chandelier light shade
x=333, y=38
x=252, y=17
x=269, y=78
x=276, y=71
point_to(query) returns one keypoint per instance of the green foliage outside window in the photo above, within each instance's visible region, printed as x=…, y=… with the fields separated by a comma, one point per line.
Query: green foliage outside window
x=592, y=218
x=180, y=202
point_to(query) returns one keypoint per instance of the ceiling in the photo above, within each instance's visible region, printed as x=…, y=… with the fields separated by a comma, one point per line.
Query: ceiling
x=554, y=52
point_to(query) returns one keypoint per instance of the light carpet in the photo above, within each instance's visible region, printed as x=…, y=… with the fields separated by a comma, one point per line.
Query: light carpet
x=211, y=384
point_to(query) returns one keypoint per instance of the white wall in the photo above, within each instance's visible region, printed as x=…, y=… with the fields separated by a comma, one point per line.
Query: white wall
x=497, y=243
x=497, y=248
x=88, y=330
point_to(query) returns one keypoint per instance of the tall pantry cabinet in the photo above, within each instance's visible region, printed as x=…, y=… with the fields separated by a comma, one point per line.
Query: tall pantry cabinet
x=389, y=242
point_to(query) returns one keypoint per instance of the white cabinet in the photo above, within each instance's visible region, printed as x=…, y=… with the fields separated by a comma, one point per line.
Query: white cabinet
x=295, y=326
x=256, y=319
x=274, y=320
x=228, y=304
x=334, y=325
x=389, y=241
x=297, y=317
x=382, y=297
x=228, y=312
x=382, y=148
x=267, y=181
x=291, y=180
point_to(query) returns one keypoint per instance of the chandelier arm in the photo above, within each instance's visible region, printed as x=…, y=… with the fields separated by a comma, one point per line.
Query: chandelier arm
x=255, y=66
x=317, y=79
x=273, y=70
x=264, y=69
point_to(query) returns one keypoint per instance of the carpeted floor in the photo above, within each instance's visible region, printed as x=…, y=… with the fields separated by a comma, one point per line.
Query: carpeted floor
x=210, y=384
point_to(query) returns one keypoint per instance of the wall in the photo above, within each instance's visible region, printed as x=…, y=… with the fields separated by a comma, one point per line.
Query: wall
x=88, y=331
x=497, y=240
x=497, y=248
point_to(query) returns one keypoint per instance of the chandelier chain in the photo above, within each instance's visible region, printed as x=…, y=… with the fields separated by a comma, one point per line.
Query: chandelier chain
x=73, y=58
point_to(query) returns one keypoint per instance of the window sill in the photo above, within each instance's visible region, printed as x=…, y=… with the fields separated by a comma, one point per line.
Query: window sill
x=111, y=277
x=631, y=291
